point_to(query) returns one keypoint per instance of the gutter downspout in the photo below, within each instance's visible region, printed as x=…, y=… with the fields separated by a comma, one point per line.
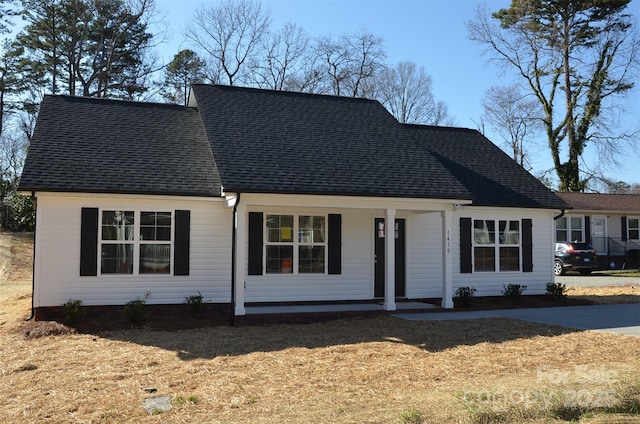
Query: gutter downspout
x=562, y=212
x=33, y=264
x=233, y=261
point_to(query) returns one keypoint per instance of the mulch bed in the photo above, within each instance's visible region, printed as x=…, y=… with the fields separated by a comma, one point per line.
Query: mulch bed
x=163, y=318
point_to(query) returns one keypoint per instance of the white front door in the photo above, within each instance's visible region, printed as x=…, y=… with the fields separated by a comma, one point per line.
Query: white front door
x=599, y=234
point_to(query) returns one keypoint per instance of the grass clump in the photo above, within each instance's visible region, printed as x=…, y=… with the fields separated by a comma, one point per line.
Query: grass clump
x=411, y=416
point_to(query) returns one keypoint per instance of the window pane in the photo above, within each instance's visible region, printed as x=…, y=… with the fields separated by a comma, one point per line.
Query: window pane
x=117, y=225
x=509, y=259
x=509, y=232
x=561, y=235
x=311, y=229
x=561, y=223
x=155, y=258
x=576, y=235
x=484, y=232
x=311, y=259
x=576, y=223
x=116, y=259
x=155, y=226
x=484, y=258
x=280, y=259
x=279, y=228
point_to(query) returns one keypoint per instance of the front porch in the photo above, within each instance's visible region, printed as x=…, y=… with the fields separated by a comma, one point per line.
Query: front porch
x=367, y=251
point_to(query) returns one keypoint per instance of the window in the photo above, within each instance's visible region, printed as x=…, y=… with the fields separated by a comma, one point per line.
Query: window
x=491, y=253
x=569, y=229
x=286, y=254
x=117, y=242
x=633, y=227
x=135, y=243
x=509, y=245
x=484, y=250
x=155, y=252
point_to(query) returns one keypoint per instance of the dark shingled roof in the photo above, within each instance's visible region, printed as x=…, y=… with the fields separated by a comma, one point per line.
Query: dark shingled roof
x=602, y=202
x=111, y=146
x=283, y=142
x=492, y=177
x=267, y=141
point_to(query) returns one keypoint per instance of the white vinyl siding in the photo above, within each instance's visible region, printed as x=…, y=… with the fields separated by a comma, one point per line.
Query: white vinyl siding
x=57, y=261
x=492, y=283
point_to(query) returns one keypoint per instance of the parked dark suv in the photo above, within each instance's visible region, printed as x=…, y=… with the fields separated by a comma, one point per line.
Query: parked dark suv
x=574, y=256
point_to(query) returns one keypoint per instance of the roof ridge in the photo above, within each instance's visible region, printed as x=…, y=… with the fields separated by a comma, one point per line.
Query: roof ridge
x=113, y=100
x=287, y=92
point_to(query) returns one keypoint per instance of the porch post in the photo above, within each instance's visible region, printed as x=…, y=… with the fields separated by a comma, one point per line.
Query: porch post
x=390, y=260
x=241, y=225
x=447, y=262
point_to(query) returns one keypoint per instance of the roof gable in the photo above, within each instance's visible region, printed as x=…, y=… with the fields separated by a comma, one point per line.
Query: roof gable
x=111, y=146
x=274, y=141
x=492, y=177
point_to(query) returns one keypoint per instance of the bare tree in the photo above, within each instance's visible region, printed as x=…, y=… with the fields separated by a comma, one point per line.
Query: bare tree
x=514, y=116
x=407, y=92
x=351, y=63
x=282, y=58
x=229, y=34
x=576, y=58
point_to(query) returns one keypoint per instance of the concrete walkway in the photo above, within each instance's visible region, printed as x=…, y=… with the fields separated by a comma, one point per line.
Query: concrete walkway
x=620, y=319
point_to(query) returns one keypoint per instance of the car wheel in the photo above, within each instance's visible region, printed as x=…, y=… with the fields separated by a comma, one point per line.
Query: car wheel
x=558, y=269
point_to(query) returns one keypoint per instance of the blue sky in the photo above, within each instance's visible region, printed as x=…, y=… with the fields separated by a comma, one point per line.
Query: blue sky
x=428, y=32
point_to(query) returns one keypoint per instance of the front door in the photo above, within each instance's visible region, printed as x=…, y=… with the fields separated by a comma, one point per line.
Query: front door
x=379, y=268
x=599, y=234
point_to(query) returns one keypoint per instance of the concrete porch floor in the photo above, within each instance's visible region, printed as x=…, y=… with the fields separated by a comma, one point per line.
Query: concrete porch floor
x=336, y=308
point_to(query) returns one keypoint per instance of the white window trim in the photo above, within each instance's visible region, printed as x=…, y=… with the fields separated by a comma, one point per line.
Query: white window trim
x=136, y=242
x=295, y=243
x=569, y=229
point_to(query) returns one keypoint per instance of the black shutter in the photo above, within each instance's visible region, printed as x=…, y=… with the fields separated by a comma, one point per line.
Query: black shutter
x=334, y=244
x=181, y=243
x=466, y=267
x=587, y=229
x=89, y=242
x=527, y=245
x=623, y=224
x=255, y=243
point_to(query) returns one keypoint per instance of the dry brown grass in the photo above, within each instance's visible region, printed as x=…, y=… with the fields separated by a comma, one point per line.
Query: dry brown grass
x=627, y=293
x=380, y=370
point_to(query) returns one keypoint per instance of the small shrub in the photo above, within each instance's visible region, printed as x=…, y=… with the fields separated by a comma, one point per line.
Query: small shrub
x=557, y=290
x=73, y=310
x=513, y=291
x=195, y=303
x=133, y=311
x=465, y=295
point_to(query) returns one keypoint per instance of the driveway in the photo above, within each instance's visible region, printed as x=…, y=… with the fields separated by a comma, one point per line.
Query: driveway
x=620, y=319
x=595, y=280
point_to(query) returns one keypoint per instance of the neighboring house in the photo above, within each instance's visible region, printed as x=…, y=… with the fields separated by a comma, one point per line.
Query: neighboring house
x=610, y=222
x=254, y=196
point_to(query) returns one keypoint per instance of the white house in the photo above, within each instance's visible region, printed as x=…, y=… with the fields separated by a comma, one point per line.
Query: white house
x=252, y=196
x=609, y=222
